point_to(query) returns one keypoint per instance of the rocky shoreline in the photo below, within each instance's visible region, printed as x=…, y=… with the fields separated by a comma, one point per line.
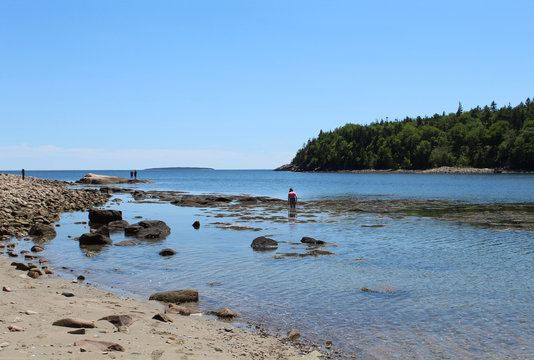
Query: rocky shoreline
x=32, y=201
x=101, y=320
x=440, y=170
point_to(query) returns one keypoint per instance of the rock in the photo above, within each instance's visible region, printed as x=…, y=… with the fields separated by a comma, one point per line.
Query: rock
x=119, y=320
x=178, y=309
x=139, y=195
x=293, y=335
x=67, y=294
x=103, y=216
x=30, y=312
x=14, y=328
x=35, y=273
x=20, y=266
x=196, y=224
x=94, y=239
x=42, y=231
x=167, y=252
x=148, y=229
x=264, y=243
x=311, y=241
x=6, y=289
x=176, y=296
x=74, y=323
x=162, y=317
x=81, y=278
x=117, y=225
x=127, y=243
x=94, y=179
x=224, y=313
x=101, y=345
x=104, y=230
x=77, y=331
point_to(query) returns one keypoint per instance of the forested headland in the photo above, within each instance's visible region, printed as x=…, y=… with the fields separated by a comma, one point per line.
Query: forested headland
x=489, y=137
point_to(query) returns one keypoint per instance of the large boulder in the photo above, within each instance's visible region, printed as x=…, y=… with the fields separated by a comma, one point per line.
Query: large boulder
x=176, y=296
x=102, y=216
x=264, y=243
x=43, y=231
x=94, y=239
x=148, y=229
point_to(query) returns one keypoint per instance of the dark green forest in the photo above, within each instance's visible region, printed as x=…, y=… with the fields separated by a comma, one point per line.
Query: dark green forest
x=488, y=137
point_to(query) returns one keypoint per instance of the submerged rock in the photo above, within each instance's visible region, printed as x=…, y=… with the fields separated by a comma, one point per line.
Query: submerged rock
x=94, y=239
x=148, y=229
x=263, y=243
x=167, y=252
x=311, y=241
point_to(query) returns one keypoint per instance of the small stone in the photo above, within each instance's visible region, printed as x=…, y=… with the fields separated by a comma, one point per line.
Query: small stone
x=67, y=294
x=81, y=278
x=293, y=335
x=162, y=317
x=6, y=289
x=77, y=331
x=196, y=225
x=31, y=312
x=14, y=328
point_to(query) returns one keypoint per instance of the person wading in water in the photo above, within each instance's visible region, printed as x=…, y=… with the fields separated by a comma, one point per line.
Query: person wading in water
x=292, y=199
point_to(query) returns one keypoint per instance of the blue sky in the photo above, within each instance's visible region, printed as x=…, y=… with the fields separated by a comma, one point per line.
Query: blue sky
x=240, y=84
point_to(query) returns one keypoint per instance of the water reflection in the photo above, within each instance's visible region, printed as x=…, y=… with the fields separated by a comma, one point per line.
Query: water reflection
x=292, y=216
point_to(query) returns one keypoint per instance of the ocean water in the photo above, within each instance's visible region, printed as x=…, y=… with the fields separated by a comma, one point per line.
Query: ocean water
x=460, y=291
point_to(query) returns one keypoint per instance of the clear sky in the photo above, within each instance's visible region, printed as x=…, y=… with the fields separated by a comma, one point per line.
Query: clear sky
x=244, y=84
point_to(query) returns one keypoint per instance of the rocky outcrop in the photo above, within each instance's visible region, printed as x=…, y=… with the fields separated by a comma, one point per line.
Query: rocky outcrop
x=176, y=296
x=24, y=203
x=148, y=229
x=94, y=179
x=263, y=243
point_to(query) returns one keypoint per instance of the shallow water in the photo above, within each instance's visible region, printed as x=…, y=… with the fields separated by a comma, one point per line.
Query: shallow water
x=457, y=291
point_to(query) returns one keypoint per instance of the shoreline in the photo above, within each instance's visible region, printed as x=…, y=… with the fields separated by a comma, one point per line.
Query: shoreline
x=27, y=324
x=440, y=170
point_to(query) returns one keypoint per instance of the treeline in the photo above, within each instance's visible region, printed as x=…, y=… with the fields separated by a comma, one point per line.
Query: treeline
x=480, y=138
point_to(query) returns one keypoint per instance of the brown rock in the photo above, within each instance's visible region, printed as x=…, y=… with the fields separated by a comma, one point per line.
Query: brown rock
x=74, y=323
x=101, y=345
x=119, y=320
x=162, y=317
x=224, y=313
x=176, y=296
x=6, y=289
x=77, y=331
x=178, y=309
x=14, y=328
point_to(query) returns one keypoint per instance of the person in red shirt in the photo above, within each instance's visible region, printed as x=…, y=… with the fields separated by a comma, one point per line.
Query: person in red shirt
x=292, y=199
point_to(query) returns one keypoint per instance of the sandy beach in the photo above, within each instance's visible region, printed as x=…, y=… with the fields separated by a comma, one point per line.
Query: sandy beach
x=33, y=310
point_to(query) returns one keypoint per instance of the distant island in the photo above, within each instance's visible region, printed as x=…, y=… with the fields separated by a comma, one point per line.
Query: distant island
x=481, y=138
x=181, y=168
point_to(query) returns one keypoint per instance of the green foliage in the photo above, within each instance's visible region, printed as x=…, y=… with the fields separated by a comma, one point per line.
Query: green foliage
x=480, y=137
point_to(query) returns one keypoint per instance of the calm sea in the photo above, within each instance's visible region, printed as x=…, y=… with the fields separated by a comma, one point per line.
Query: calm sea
x=460, y=291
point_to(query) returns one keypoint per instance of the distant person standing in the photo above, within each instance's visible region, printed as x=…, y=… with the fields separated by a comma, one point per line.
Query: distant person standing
x=131, y=174
x=135, y=174
x=23, y=174
x=292, y=199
